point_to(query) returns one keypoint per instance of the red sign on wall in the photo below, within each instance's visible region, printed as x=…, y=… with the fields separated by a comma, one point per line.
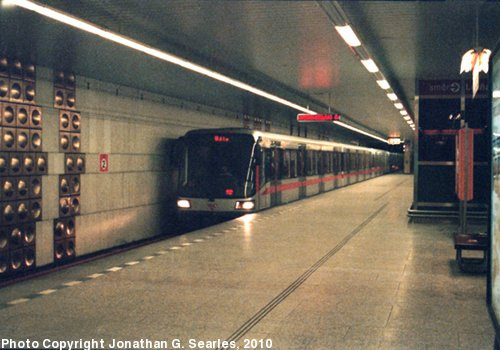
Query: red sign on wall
x=103, y=162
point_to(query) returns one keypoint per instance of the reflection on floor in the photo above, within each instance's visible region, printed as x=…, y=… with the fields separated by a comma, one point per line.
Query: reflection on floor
x=343, y=270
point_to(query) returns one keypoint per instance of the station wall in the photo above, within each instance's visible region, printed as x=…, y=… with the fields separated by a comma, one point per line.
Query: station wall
x=135, y=129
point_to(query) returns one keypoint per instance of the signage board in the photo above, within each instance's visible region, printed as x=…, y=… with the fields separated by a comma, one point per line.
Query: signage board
x=103, y=162
x=317, y=117
x=449, y=87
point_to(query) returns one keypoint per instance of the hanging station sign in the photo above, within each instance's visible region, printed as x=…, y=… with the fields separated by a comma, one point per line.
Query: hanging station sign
x=317, y=117
x=449, y=87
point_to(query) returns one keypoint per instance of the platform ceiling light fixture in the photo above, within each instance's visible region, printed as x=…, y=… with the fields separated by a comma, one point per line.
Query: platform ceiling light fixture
x=370, y=65
x=347, y=126
x=348, y=35
x=403, y=112
x=384, y=85
x=335, y=13
x=164, y=56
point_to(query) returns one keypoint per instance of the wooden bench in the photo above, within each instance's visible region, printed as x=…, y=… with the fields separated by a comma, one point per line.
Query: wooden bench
x=475, y=241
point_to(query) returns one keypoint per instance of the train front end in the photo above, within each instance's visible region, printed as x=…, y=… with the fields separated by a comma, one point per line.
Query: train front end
x=217, y=174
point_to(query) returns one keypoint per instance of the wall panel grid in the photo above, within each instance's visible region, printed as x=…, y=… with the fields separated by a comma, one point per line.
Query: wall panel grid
x=74, y=164
x=22, y=165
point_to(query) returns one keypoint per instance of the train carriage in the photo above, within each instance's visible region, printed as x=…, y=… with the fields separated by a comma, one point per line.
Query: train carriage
x=235, y=171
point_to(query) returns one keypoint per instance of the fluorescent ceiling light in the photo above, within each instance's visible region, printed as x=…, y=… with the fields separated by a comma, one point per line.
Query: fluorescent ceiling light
x=164, y=56
x=384, y=85
x=407, y=117
x=122, y=40
x=348, y=35
x=347, y=126
x=398, y=105
x=403, y=112
x=496, y=93
x=392, y=96
x=370, y=65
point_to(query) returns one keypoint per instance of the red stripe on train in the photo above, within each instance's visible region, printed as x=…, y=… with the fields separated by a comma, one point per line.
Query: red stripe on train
x=297, y=184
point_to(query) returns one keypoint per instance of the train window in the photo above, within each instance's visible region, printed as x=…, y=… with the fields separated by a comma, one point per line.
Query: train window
x=293, y=163
x=268, y=164
x=324, y=163
x=286, y=164
x=330, y=156
x=276, y=164
x=312, y=163
x=320, y=162
x=309, y=162
x=210, y=167
x=316, y=162
x=301, y=163
x=336, y=163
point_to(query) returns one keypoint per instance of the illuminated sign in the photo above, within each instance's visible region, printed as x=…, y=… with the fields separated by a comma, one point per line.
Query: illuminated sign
x=221, y=138
x=393, y=140
x=229, y=191
x=317, y=117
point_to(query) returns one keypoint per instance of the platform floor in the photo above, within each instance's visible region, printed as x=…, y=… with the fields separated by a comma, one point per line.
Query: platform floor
x=343, y=270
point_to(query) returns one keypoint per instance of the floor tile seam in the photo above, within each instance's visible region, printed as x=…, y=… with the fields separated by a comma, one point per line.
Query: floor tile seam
x=247, y=326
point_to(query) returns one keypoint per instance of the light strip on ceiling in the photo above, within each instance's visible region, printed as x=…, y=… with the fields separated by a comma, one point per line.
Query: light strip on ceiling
x=403, y=112
x=347, y=126
x=384, y=85
x=370, y=65
x=496, y=93
x=348, y=35
x=399, y=105
x=122, y=40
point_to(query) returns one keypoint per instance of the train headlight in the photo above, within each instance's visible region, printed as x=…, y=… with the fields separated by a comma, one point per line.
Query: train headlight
x=183, y=203
x=244, y=205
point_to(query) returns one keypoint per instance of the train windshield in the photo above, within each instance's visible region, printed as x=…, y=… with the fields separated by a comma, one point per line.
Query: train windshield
x=217, y=166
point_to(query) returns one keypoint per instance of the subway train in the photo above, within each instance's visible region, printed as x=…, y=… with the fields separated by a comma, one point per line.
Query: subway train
x=235, y=171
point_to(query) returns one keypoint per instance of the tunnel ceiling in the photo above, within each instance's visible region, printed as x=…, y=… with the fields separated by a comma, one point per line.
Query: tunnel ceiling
x=290, y=49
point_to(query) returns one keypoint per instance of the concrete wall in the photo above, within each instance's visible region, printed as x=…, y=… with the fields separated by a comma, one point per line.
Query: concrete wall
x=134, y=128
